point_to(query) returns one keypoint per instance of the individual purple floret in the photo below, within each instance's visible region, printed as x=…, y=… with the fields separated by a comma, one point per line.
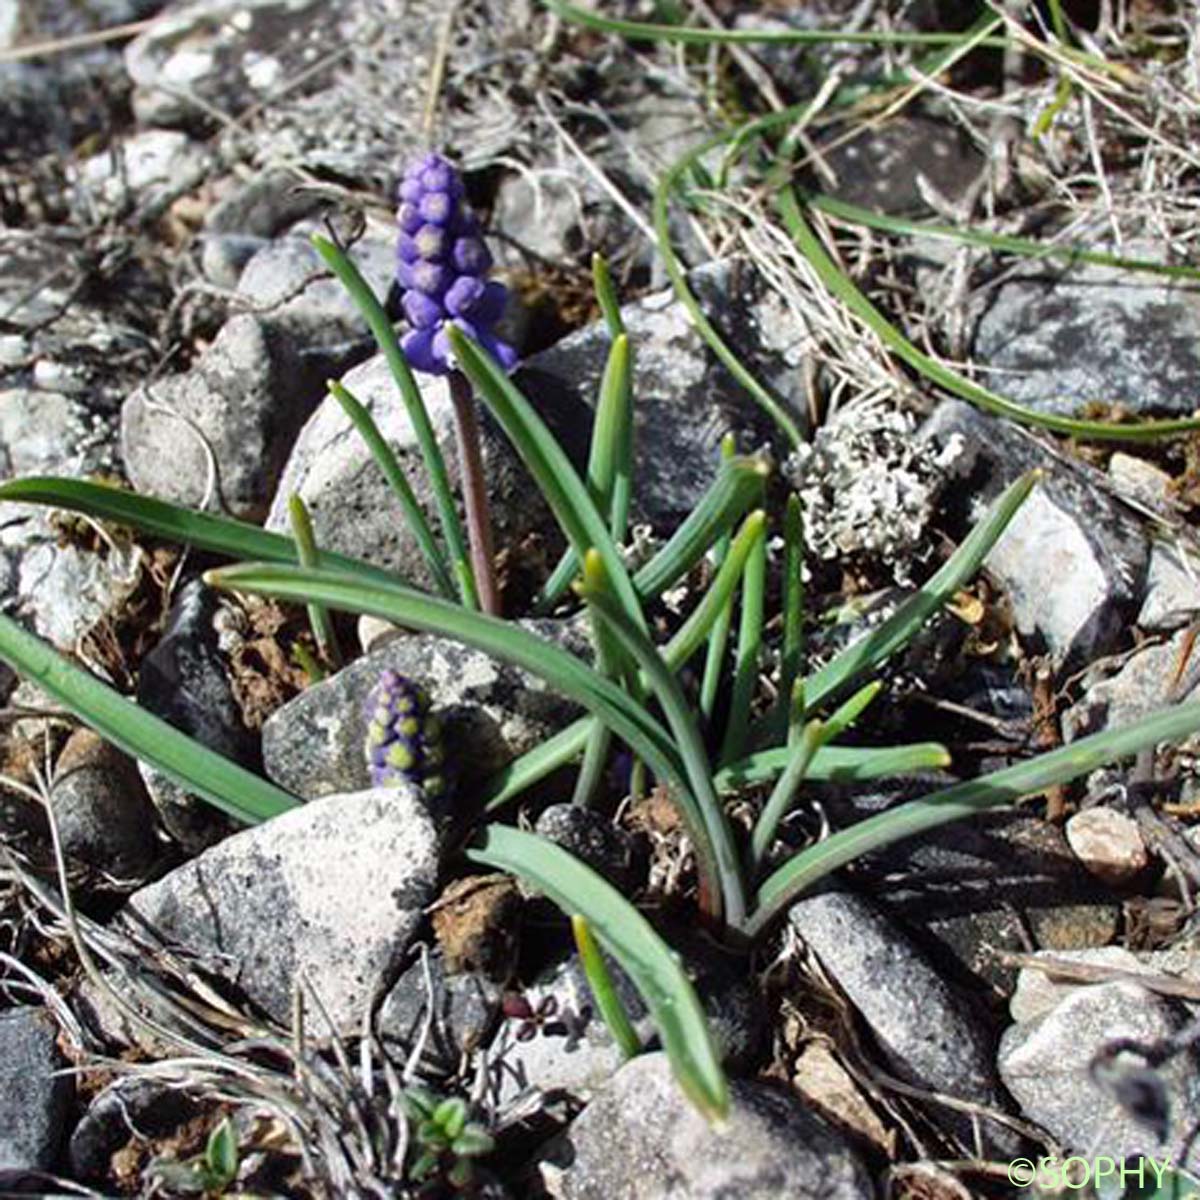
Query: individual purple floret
x=442, y=265
x=404, y=742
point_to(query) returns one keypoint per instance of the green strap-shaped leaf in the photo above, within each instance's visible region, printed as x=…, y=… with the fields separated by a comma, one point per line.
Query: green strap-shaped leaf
x=222, y=783
x=630, y=939
x=172, y=523
x=964, y=799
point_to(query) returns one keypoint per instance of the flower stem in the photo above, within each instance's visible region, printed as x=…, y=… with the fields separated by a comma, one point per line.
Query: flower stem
x=475, y=498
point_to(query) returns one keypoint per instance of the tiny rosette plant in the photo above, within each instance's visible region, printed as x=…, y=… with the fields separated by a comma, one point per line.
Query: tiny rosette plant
x=442, y=267
x=404, y=739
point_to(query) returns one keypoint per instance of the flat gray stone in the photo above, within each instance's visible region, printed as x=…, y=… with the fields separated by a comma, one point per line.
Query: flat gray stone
x=491, y=713
x=1060, y=337
x=641, y=1139
x=1046, y=1064
x=1073, y=560
x=329, y=893
x=352, y=508
x=686, y=400
x=247, y=397
x=33, y=1099
x=929, y=1033
x=1142, y=686
x=1172, y=590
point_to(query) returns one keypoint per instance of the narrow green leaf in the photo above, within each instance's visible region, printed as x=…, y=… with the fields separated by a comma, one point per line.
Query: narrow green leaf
x=792, y=655
x=749, y=650
x=566, y=745
x=221, y=1154
x=737, y=488
x=306, y=551
x=547, y=463
x=606, y=296
x=222, y=783
x=870, y=651
x=783, y=795
x=836, y=764
x=631, y=940
x=697, y=800
x=385, y=338
x=171, y=523
x=964, y=799
x=718, y=637
x=603, y=990
x=650, y=32
x=604, y=461
x=386, y=460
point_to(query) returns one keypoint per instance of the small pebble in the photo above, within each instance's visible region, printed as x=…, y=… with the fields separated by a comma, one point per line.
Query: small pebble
x=1108, y=844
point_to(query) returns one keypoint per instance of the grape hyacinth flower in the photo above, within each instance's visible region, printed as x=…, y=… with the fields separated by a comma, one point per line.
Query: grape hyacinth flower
x=442, y=267
x=404, y=741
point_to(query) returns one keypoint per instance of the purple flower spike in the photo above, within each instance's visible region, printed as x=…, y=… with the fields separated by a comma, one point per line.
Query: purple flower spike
x=442, y=266
x=404, y=740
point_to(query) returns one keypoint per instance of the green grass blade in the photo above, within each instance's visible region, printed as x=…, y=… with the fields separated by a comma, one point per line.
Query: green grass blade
x=567, y=744
x=217, y=780
x=738, y=487
x=629, y=938
x=697, y=801
x=651, y=32
x=749, y=652
x=836, y=764
x=606, y=296
x=783, y=795
x=306, y=551
x=386, y=460
x=429, y=614
x=548, y=464
x=964, y=799
x=718, y=637
x=1071, y=253
x=603, y=990
x=870, y=651
x=385, y=338
x=792, y=655
x=604, y=460
x=846, y=290
x=171, y=523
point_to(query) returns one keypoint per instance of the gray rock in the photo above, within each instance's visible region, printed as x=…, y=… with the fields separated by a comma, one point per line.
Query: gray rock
x=33, y=1099
x=1060, y=337
x=929, y=1034
x=129, y=1109
x=64, y=586
x=492, y=713
x=593, y=839
x=185, y=681
x=104, y=815
x=1172, y=590
x=895, y=167
x=247, y=397
x=640, y=1139
x=1038, y=992
x=326, y=895
x=687, y=400
x=1073, y=560
x=295, y=296
x=449, y=1015
x=1142, y=686
x=355, y=512
x=1046, y=1064
x=147, y=168
x=223, y=55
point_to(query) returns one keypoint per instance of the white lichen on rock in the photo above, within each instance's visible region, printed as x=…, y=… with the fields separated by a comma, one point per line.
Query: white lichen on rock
x=868, y=487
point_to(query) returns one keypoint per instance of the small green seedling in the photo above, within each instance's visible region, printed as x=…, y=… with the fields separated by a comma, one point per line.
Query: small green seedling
x=207, y=1174
x=445, y=1142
